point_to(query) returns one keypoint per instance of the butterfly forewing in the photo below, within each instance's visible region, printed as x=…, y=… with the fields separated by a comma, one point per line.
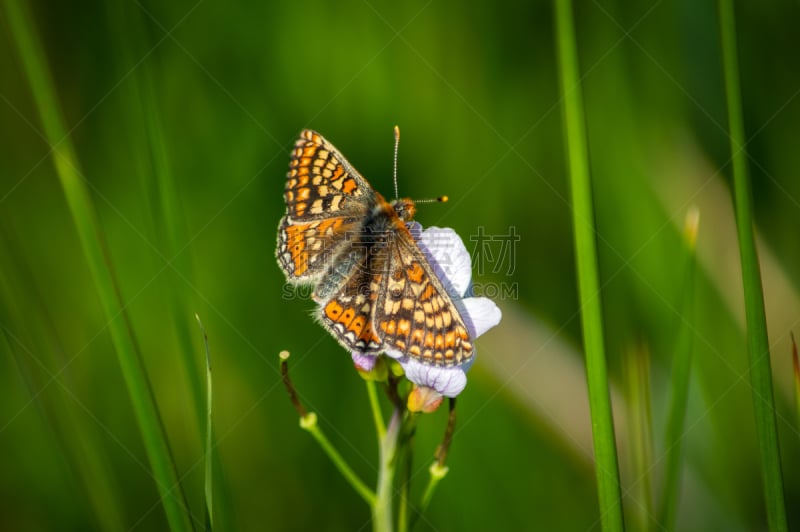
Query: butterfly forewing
x=321, y=183
x=326, y=200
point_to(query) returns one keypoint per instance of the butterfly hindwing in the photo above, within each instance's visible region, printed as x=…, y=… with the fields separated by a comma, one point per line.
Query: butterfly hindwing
x=306, y=249
x=347, y=312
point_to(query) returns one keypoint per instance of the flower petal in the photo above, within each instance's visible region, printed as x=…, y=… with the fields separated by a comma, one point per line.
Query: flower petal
x=448, y=381
x=363, y=362
x=393, y=353
x=481, y=314
x=447, y=256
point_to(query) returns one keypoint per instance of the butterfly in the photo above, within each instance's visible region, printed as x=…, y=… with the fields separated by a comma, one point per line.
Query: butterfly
x=376, y=290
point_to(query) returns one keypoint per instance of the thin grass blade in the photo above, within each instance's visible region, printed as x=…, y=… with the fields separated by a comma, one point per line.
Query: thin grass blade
x=94, y=248
x=679, y=381
x=606, y=463
x=757, y=340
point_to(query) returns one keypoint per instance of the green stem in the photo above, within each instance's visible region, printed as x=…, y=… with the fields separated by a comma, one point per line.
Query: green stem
x=375, y=405
x=382, y=508
x=404, y=506
x=309, y=423
x=437, y=473
x=607, y=470
x=757, y=340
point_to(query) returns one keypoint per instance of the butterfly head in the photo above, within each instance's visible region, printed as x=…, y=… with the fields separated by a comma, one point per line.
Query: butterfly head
x=404, y=208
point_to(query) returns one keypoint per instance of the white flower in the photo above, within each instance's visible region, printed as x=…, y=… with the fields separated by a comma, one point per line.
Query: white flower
x=452, y=264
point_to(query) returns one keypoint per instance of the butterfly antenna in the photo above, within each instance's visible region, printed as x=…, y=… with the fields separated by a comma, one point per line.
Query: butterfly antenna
x=440, y=199
x=396, y=146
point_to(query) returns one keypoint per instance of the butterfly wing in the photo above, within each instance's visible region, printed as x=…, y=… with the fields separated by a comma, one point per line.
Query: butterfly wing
x=326, y=200
x=348, y=295
x=414, y=314
x=321, y=183
x=306, y=249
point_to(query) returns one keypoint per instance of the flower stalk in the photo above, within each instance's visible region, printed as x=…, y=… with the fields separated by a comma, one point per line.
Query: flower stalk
x=308, y=422
x=375, y=406
x=382, y=508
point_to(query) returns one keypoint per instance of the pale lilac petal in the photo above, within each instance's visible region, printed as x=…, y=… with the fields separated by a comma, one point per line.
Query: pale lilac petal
x=448, y=257
x=480, y=315
x=393, y=353
x=448, y=381
x=363, y=362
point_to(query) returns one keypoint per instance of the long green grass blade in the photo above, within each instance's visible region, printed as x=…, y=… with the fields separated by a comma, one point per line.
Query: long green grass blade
x=605, y=451
x=679, y=382
x=757, y=340
x=93, y=245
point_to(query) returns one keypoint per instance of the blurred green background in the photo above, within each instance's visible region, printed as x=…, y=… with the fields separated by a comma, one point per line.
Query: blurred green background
x=182, y=115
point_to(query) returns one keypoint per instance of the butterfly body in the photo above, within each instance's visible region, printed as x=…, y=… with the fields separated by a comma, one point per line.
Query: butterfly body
x=375, y=288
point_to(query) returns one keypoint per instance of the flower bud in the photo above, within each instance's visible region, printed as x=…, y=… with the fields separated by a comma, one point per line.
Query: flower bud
x=424, y=399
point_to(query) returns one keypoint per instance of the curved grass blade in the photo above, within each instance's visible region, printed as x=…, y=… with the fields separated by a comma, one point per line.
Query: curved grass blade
x=94, y=249
x=209, y=460
x=757, y=340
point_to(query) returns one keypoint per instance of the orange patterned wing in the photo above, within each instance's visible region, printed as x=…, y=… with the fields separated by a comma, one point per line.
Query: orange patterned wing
x=415, y=315
x=348, y=295
x=326, y=200
x=321, y=183
x=306, y=249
